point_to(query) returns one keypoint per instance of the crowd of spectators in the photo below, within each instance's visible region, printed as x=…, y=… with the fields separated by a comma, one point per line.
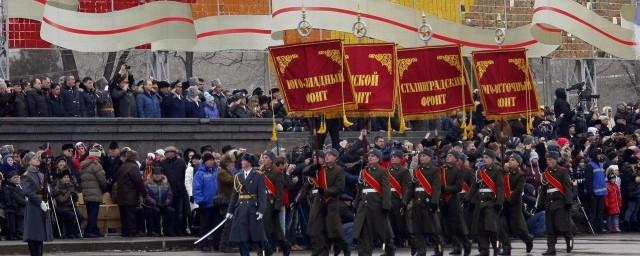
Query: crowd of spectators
x=159, y=192
x=125, y=97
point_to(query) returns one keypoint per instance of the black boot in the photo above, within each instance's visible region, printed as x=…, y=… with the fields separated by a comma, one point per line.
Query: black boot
x=390, y=249
x=549, y=252
x=456, y=251
x=346, y=250
x=569, y=241
x=506, y=250
x=439, y=250
x=467, y=249
x=286, y=249
x=483, y=253
x=529, y=244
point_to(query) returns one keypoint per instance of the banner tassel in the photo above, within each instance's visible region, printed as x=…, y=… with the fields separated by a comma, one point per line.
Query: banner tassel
x=345, y=121
x=274, y=132
x=529, y=125
x=389, y=128
x=323, y=125
x=403, y=126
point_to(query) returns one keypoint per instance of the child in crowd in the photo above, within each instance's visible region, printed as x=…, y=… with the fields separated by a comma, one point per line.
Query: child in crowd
x=15, y=203
x=613, y=203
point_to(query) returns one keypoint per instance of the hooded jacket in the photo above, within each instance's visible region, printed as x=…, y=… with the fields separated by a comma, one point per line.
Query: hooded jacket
x=561, y=106
x=205, y=185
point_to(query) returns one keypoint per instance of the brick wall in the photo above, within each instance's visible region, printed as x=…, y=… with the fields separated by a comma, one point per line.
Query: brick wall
x=24, y=33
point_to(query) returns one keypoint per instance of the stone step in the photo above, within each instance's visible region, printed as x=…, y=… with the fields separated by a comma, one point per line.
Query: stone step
x=116, y=244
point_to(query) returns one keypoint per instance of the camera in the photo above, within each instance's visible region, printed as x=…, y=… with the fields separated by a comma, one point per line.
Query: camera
x=579, y=86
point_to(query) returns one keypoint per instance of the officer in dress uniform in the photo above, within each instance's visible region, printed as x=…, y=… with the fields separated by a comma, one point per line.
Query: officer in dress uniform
x=468, y=178
x=451, y=208
x=487, y=195
x=326, y=186
x=512, y=218
x=37, y=222
x=274, y=183
x=556, y=194
x=247, y=206
x=426, y=189
x=373, y=202
x=400, y=181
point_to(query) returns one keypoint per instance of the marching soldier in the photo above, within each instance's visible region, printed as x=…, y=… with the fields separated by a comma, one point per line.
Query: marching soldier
x=424, y=204
x=274, y=183
x=325, y=226
x=37, y=222
x=557, y=197
x=452, y=212
x=399, y=180
x=512, y=218
x=468, y=178
x=247, y=206
x=487, y=195
x=373, y=203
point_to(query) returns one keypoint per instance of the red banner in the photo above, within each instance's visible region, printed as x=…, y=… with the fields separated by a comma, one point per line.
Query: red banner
x=505, y=83
x=372, y=69
x=311, y=77
x=433, y=82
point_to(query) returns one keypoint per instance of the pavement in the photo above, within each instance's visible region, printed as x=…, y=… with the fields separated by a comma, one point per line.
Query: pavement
x=615, y=244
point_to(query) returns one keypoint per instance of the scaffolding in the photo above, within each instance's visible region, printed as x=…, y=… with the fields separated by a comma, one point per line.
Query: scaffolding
x=4, y=40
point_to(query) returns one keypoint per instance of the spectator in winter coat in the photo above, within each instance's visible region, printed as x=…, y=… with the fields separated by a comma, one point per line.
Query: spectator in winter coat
x=55, y=101
x=220, y=98
x=37, y=101
x=173, y=104
x=158, y=204
x=5, y=99
x=596, y=187
x=65, y=194
x=561, y=107
x=239, y=108
x=124, y=101
x=210, y=107
x=72, y=100
x=94, y=184
x=9, y=165
x=128, y=191
x=105, y=106
x=174, y=168
x=193, y=106
x=205, y=188
x=15, y=204
x=613, y=203
x=148, y=103
x=19, y=101
x=92, y=98
x=192, y=167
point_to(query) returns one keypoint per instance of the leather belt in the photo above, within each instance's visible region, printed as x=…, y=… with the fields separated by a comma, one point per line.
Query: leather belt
x=246, y=196
x=551, y=190
x=369, y=190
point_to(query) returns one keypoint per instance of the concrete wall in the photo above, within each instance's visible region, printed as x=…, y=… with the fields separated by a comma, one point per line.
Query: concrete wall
x=143, y=135
x=147, y=135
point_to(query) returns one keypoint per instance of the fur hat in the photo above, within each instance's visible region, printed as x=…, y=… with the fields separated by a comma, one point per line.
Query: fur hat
x=27, y=157
x=376, y=152
x=332, y=151
x=517, y=157
x=63, y=173
x=270, y=154
x=156, y=170
x=170, y=149
x=553, y=155
x=206, y=148
x=397, y=153
x=250, y=158
x=427, y=152
x=489, y=153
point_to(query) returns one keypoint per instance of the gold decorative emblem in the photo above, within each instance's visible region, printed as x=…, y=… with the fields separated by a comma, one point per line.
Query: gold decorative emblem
x=284, y=60
x=452, y=59
x=304, y=26
x=359, y=28
x=520, y=63
x=333, y=54
x=403, y=65
x=384, y=58
x=481, y=67
x=500, y=35
x=425, y=31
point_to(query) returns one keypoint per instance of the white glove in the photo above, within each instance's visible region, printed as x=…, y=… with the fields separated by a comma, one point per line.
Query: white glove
x=229, y=216
x=44, y=206
x=259, y=216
